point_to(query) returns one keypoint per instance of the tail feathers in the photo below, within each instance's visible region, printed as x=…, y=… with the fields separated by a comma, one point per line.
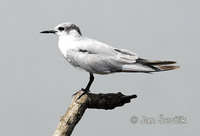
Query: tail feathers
x=148, y=66
x=158, y=65
x=165, y=68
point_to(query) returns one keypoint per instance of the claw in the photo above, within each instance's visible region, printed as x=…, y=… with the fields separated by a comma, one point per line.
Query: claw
x=81, y=92
x=75, y=93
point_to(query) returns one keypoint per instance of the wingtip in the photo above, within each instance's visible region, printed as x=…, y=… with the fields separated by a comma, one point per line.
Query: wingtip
x=154, y=62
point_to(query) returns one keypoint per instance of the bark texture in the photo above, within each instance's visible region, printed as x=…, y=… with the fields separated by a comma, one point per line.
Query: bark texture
x=89, y=100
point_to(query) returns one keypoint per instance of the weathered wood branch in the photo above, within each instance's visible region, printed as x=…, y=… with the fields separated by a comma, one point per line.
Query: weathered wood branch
x=89, y=100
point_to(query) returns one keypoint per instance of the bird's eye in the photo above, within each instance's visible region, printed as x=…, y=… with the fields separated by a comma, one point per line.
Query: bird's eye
x=61, y=28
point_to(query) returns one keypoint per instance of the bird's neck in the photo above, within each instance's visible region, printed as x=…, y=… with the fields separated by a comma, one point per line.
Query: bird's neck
x=67, y=42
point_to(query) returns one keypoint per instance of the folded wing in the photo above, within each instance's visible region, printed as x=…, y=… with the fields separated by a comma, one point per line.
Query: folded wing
x=103, y=59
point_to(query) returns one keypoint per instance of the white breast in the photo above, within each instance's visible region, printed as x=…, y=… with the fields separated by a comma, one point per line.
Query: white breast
x=66, y=43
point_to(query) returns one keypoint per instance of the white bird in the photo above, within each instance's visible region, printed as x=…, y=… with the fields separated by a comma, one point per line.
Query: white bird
x=99, y=58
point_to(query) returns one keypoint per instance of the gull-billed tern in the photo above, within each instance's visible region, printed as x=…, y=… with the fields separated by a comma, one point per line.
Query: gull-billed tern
x=99, y=58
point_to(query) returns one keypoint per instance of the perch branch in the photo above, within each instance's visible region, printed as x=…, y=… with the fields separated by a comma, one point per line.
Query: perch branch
x=89, y=100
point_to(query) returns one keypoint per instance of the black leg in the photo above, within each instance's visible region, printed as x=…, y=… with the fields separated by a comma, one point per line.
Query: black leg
x=87, y=89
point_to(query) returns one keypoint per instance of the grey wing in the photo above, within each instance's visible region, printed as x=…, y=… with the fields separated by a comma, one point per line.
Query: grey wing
x=93, y=62
x=101, y=62
x=96, y=57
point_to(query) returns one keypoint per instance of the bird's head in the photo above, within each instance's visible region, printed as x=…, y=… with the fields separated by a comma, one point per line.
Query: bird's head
x=67, y=28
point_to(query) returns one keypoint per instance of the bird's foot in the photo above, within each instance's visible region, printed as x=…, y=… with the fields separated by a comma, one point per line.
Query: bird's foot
x=81, y=92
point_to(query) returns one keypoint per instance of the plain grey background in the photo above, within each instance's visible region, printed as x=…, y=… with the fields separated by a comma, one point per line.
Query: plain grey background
x=37, y=83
